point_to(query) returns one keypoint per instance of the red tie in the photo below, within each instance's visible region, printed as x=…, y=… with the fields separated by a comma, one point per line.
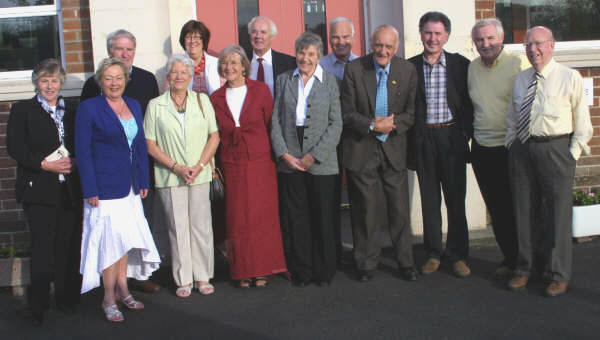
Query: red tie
x=260, y=74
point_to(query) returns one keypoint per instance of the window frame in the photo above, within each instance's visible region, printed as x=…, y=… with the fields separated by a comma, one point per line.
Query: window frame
x=34, y=11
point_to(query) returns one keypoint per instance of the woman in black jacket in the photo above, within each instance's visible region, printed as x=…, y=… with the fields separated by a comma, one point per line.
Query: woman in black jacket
x=40, y=138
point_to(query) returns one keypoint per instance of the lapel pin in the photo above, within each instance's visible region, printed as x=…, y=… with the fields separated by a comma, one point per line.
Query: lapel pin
x=394, y=82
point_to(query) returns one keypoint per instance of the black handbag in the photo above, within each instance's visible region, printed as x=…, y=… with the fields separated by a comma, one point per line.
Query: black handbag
x=217, y=185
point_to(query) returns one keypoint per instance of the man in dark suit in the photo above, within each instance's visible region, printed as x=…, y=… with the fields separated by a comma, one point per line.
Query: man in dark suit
x=142, y=86
x=378, y=98
x=266, y=63
x=443, y=127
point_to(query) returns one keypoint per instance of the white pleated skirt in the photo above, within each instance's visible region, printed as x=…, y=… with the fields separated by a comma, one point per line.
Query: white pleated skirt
x=112, y=229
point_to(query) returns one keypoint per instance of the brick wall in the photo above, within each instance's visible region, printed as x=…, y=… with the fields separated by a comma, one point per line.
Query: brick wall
x=587, y=175
x=78, y=57
x=485, y=9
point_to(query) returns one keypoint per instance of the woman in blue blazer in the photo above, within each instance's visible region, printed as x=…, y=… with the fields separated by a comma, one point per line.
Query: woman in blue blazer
x=113, y=162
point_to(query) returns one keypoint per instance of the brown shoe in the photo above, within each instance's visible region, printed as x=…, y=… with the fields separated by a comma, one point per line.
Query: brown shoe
x=517, y=283
x=503, y=272
x=432, y=265
x=557, y=288
x=461, y=269
x=147, y=286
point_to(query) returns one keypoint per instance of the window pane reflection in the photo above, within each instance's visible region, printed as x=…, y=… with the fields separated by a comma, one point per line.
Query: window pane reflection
x=315, y=20
x=568, y=20
x=24, y=42
x=22, y=3
x=247, y=9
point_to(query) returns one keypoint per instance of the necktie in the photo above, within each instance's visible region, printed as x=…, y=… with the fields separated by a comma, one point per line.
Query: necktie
x=260, y=74
x=381, y=100
x=525, y=112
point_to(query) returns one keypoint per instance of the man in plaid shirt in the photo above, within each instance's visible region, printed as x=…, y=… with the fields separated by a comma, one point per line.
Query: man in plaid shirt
x=439, y=143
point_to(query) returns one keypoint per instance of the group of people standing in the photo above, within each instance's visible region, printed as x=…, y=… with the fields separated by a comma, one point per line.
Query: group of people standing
x=282, y=128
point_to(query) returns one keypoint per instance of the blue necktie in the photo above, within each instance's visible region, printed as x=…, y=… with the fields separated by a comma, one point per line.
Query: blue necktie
x=381, y=100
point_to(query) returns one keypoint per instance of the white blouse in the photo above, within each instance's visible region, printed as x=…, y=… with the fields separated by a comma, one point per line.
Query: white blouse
x=235, y=100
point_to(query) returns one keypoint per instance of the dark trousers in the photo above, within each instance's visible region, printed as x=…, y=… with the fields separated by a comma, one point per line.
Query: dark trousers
x=309, y=205
x=442, y=159
x=55, y=252
x=541, y=175
x=337, y=216
x=367, y=217
x=490, y=165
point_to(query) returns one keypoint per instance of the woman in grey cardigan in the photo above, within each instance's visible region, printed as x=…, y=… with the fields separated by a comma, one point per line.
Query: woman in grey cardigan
x=306, y=128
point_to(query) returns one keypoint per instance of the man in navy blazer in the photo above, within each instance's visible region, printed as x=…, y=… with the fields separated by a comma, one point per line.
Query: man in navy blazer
x=439, y=143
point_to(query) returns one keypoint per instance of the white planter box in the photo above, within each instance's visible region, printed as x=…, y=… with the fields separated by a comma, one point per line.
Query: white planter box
x=586, y=220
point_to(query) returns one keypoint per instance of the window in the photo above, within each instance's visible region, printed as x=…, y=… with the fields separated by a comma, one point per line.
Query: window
x=569, y=20
x=29, y=33
x=314, y=20
x=246, y=10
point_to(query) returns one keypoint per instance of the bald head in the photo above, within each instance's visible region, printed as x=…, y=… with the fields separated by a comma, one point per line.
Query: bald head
x=539, y=46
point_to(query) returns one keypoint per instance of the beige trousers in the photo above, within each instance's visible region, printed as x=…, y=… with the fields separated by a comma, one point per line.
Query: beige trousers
x=189, y=222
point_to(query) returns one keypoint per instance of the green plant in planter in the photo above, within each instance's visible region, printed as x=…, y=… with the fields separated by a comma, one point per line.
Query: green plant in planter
x=586, y=197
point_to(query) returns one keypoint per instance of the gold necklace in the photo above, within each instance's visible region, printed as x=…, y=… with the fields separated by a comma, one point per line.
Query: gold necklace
x=179, y=107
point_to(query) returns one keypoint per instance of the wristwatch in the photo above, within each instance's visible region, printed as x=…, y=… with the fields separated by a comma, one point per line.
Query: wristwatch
x=372, y=125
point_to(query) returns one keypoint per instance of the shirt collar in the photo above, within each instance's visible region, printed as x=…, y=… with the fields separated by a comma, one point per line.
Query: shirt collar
x=336, y=60
x=318, y=73
x=441, y=60
x=378, y=67
x=267, y=57
x=547, y=69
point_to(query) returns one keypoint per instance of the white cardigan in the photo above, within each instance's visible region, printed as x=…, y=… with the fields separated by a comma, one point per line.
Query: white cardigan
x=211, y=73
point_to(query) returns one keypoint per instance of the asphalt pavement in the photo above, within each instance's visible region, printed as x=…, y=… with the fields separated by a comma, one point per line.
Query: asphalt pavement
x=437, y=306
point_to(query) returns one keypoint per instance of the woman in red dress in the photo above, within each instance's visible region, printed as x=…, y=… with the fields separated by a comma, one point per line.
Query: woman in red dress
x=243, y=108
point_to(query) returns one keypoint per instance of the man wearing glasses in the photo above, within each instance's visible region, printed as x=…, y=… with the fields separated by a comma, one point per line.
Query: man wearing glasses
x=549, y=127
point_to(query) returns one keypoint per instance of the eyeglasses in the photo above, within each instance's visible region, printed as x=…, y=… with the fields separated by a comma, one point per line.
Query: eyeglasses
x=193, y=38
x=536, y=43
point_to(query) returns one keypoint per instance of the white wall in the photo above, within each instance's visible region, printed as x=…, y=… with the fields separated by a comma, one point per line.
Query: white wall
x=148, y=20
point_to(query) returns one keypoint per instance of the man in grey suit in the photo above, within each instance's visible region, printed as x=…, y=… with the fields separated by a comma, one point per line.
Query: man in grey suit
x=378, y=106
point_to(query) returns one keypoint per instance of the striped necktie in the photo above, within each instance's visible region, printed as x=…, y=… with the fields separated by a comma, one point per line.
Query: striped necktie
x=525, y=112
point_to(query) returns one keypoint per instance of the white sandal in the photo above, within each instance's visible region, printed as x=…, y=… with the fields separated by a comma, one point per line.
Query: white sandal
x=205, y=289
x=184, y=292
x=113, y=314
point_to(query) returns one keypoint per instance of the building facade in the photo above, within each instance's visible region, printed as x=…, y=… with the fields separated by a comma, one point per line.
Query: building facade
x=75, y=31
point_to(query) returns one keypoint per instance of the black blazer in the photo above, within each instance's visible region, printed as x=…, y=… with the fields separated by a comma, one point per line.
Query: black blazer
x=457, y=93
x=281, y=62
x=358, y=92
x=31, y=136
x=142, y=87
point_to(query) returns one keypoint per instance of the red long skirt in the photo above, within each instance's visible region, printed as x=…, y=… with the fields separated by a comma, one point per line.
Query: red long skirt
x=253, y=233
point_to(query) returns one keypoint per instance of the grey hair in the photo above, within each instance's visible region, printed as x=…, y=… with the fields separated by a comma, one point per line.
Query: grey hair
x=338, y=20
x=121, y=33
x=181, y=58
x=272, y=26
x=386, y=26
x=307, y=39
x=105, y=64
x=235, y=49
x=488, y=21
x=48, y=67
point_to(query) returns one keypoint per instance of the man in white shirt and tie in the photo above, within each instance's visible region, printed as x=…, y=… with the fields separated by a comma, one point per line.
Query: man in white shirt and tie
x=266, y=63
x=549, y=127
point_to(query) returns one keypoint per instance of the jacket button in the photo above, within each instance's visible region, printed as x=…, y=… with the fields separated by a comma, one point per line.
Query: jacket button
x=308, y=105
x=307, y=116
x=306, y=126
x=305, y=137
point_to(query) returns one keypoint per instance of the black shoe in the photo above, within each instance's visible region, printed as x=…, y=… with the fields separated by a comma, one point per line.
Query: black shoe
x=37, y=318
x=301, y=283
x=66, y=309
x=364, y=276
x=326, y=283
x=408, y=273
